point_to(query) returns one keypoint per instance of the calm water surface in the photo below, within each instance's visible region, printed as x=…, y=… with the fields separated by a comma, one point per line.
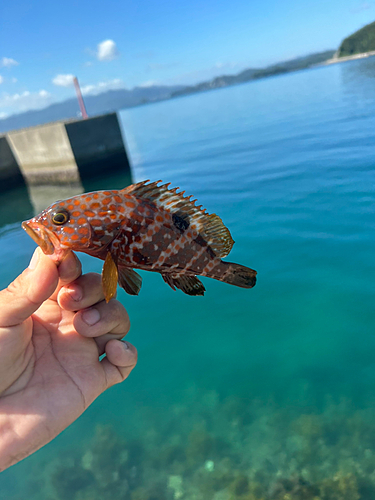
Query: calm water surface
x=240, y=383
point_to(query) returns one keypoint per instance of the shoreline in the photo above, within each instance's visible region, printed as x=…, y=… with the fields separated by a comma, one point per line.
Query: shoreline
x=335, y=59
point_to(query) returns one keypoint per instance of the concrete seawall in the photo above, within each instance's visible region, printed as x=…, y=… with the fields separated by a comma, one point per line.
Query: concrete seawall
x=62, y=152
x=10, y=173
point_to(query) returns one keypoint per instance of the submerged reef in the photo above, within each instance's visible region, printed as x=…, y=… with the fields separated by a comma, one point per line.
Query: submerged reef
x=229, y=448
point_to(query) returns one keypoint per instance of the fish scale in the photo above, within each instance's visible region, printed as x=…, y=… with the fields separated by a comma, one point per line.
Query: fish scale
x=145, y=226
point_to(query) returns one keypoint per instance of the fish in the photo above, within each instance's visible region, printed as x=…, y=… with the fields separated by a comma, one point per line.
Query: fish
x=147, y=226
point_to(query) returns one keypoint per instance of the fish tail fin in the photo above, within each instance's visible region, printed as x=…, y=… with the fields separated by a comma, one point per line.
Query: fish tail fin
x=234, y=274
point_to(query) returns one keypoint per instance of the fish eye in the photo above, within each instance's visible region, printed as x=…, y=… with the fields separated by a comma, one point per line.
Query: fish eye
x=60, y=217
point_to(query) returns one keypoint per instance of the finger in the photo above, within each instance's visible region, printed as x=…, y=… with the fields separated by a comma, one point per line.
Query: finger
x=84, y=292
x=28, y=291
x=121, y=358
x=70, y=268
x=101, y=319
x=101, y=341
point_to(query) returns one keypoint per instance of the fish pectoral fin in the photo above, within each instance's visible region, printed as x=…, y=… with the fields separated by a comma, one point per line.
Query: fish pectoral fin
x=109, y=277
x=190, y=285
x=129, y=280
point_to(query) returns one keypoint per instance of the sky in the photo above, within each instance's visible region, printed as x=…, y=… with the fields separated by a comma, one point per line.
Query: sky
x=122, y=44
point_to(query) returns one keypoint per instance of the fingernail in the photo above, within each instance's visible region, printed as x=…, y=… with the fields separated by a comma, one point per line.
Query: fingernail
x=126, y=345
x=91, y=316
x=34, y=259
x=75, y=292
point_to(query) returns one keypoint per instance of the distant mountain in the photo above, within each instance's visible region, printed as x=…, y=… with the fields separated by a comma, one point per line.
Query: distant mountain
x=361, y=41
x=114, y=100
x=105, y=102
x=253, y=74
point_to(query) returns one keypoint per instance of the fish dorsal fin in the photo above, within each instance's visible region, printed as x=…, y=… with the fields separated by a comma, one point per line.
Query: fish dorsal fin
x=209, y=226
x=129, y=280
x=190, y=285
x=109, y=277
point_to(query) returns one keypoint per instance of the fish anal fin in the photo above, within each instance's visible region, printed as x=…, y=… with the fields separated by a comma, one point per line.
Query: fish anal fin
x=190, y=285
x=129, y=280
x=109, y=277
x=210, y=227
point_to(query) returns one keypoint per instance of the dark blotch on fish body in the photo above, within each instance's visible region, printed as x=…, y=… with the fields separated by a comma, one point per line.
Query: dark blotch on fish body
x=181, y=223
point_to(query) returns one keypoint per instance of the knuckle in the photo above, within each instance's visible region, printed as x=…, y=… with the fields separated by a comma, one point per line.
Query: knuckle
x=69, y=269
x=91, y=277
x=13, y=289
x=18, y=288
x=118, y=315
x=92, y=284
x=119, y=310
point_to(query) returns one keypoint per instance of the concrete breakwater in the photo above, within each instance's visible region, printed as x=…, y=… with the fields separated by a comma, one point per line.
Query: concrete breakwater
x=62, y=152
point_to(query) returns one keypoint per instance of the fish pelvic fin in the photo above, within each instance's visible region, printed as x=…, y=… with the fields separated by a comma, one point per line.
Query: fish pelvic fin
x=129, y=280
x=190, y=285
x=209, y=226
x=109, y=277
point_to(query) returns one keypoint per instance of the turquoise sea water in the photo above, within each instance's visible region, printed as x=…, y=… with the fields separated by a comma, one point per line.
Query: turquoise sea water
x=250, y=394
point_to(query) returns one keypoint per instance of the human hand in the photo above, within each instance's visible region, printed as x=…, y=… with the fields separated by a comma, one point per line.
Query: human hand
x=54, y=325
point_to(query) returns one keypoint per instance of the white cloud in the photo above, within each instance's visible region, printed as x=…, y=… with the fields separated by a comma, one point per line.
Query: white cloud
x=149, y=83
x=107, y=50
x=17, y=97
x=88, y=89
x=88, y=63
x=97, y=88
x=63, y=80
x=2, y=79
x=24, y=101
x=7, y=62
x=226, y=65
x=3, y=115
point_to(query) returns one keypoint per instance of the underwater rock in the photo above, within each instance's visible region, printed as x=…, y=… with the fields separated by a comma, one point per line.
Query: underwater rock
x=112, y=459
x=209, y=465
x=67, y=481
x=340, y=487
x=293, y=489
x=238, y=410
x=223, y=449
x=108, y=453
x=175, y=484
x=200, y=447
x=154, y=493
x=208, y=483
x=203, y=446
x=171, y=458
x=308, y=425
x=240, y=486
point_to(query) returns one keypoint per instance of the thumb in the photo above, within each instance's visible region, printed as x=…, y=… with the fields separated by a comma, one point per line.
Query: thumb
x=28, y=291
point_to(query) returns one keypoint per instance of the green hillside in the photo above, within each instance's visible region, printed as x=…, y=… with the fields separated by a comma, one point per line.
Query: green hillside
x=362, y=40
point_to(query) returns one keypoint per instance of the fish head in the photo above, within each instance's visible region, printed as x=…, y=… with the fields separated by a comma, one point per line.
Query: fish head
x=61, y=227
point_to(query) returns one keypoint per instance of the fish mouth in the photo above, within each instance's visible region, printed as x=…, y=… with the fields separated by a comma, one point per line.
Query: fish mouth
x=47, y=241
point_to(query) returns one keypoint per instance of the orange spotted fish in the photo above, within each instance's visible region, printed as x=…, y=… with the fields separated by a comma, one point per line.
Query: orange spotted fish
x=143, y=226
